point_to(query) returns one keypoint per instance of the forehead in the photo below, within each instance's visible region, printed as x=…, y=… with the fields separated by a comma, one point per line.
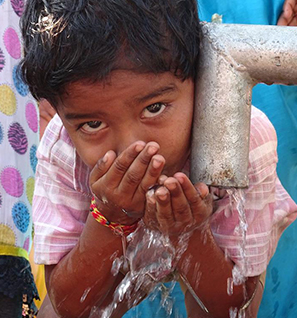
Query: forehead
x=125, y=84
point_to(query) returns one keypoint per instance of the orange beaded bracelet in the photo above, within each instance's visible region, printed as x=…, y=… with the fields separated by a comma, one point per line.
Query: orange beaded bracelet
x=116, y=227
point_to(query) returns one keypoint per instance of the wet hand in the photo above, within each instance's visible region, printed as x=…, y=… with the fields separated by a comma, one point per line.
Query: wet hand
x=121, y=183
x=289, y=14
x=177, y=206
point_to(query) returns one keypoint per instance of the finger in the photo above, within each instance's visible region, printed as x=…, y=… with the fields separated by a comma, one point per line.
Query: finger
x=287, y=13
x=152, y=174
x=136, y=171
x=150, y=218
x=293, y=22
x=179, y=203
x=122, y=163
x=102, y=166
x=162, y=179
x=164, y=213
x=288, y=8
x=282, y=21
x=197, y=195
x=190, y=189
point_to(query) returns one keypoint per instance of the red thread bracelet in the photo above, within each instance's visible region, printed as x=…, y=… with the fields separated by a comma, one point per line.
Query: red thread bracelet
x=116, y=227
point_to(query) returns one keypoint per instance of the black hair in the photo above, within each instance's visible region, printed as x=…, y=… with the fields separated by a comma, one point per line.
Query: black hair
x=71, y=40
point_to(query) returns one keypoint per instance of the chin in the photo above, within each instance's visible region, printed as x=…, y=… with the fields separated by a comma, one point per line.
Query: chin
x=182, y=166
x=170, y=171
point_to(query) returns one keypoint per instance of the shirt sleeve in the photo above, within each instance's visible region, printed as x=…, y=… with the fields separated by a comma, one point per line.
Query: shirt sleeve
x=249, y=238
x=59, y=208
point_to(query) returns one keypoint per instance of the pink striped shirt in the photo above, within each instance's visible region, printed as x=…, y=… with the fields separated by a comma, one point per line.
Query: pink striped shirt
x=62, y=199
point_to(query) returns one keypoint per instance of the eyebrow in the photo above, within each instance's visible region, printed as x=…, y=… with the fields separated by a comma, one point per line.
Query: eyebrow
x=156, y=93
x=71, y=116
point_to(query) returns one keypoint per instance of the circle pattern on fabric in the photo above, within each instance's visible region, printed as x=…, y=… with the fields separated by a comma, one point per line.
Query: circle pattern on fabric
x=12, y=43
x=30, y=189
x=20, y=86
x=17, y=138
x=7, y=100
x=12, y=182
x=33, y=158
x=7, y=236
x=2, y=59
x=21, y=216
x=18, y=6
x=1, y=134
x=32, y=117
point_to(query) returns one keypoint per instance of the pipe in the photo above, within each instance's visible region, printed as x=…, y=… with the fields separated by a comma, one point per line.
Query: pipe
x=233, y=59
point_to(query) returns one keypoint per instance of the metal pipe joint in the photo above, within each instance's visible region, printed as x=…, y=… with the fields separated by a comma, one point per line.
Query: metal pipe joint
x=233, y=59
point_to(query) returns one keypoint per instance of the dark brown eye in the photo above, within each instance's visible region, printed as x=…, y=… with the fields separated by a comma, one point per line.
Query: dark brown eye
x=93, y=126
x=154, y=110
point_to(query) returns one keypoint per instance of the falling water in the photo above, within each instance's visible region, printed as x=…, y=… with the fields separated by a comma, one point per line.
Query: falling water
x=236, y=204
x=149, y=259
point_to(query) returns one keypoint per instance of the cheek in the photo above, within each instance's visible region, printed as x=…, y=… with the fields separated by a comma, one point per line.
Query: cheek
x=89, y=154
x=176, y=141
x=182, y=130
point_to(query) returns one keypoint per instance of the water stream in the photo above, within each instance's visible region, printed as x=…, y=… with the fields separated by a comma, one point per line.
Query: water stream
x=236, y=204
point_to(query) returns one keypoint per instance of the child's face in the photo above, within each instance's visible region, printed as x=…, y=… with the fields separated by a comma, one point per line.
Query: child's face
x=130, y=107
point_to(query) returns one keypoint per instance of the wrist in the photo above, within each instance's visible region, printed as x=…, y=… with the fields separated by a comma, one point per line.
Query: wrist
x=114, y=213
x=118, y=228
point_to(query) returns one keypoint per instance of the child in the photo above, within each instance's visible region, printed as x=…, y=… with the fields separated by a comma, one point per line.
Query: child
x=121, y=76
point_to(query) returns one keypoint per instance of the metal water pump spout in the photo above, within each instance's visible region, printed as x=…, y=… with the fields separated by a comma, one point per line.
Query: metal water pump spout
x=233, y=59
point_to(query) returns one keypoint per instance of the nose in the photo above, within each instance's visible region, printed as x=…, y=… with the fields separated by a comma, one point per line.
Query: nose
x=128, y=136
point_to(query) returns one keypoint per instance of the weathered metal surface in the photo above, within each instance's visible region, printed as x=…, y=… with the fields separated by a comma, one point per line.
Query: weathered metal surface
x=233, y=59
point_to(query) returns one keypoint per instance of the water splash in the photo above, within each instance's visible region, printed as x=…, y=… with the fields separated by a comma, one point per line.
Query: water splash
x=235, y=313
x=237, y=202
x=148, y=259
x=85, y=294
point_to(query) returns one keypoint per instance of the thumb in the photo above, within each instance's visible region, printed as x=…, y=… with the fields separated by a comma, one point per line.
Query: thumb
x=206, y=200
x=102, y=166
x=202, y=189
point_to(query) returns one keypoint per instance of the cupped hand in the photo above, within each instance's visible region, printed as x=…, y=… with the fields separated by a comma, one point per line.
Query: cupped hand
x=120, y=184
x=178, y=206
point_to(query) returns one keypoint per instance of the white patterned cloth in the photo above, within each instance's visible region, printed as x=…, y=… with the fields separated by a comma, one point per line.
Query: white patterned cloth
x=19, y=139
x=62, y=198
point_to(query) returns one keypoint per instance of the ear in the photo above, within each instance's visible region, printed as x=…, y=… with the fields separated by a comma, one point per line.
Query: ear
x=289, y=15
x=46, y=113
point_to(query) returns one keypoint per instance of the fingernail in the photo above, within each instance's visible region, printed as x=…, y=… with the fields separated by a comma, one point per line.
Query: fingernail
x=179, y=178
x=171, y=185
x=162, y=194
x=151, y=200
x=105, y=158
x=162, y=179
x=202, y=190
x=162, y=197
x=139, y=147
x=152, y=150
x=157, y=163
x=150, y=196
